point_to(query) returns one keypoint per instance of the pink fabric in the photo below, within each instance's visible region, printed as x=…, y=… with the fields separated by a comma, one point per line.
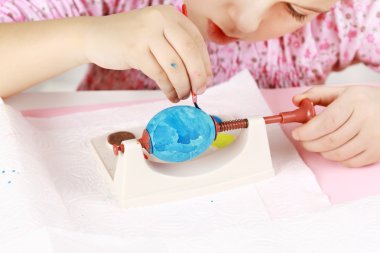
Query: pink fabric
x=345, y=35
x=339, y=183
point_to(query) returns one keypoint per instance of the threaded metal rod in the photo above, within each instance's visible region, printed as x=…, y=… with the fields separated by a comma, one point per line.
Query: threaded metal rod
x=231, y=125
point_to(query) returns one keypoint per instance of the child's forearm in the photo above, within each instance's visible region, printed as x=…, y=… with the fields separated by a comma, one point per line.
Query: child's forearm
x=159, y=41
x=36, y=51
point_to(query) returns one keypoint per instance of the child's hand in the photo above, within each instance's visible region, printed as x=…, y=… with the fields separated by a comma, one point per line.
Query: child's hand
x=160, y=41
x=348, y=130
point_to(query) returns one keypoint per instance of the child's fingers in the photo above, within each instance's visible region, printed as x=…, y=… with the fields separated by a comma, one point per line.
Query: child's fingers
x=332, y=118
x=172, y=64
x=365, y=158
x=190, y=54
x=188, y=26
x=151, y=67
x=337, y=138
x=319, y=95
x=348, y=150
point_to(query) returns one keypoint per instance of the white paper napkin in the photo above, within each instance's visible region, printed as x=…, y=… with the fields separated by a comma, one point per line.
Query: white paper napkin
x=348, y=228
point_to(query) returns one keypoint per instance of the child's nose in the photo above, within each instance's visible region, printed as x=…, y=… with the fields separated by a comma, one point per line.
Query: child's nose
x=246, y=19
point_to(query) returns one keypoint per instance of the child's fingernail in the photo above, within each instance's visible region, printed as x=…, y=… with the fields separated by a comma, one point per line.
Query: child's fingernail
x=295, y=135
x=202, y=89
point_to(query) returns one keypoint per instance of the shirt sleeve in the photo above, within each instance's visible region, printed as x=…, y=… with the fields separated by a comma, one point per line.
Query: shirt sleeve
x=34, y=10
x=357, y=23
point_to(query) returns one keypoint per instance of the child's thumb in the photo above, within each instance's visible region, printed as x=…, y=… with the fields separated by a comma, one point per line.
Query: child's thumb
x=319, y=95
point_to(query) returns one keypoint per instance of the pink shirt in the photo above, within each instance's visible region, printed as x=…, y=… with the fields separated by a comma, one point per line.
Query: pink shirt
x=347, y=34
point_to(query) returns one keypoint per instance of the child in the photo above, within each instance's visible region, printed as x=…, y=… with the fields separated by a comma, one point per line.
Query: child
x=282, y=43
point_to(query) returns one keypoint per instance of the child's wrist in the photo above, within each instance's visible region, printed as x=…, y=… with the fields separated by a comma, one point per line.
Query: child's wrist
x=80, y=28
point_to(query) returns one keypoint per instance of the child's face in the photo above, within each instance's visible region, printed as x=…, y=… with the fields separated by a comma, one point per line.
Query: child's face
x=224, y=21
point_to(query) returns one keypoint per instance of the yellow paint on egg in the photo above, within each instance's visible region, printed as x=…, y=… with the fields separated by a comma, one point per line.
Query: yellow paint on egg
x=223, y=140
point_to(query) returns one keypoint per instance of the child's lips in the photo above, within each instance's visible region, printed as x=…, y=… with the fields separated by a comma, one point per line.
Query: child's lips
x=217, y=35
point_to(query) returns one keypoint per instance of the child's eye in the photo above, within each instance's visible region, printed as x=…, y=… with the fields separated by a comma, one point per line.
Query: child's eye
x=295, y=14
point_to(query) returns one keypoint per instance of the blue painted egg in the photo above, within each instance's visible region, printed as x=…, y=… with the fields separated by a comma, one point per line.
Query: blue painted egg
x=217, y=119
x=180, y=133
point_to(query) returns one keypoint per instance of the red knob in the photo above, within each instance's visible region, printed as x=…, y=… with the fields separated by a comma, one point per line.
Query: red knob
x=303, y=114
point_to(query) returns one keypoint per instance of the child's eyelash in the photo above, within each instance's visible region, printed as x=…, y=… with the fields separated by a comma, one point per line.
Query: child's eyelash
x=297, y=16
